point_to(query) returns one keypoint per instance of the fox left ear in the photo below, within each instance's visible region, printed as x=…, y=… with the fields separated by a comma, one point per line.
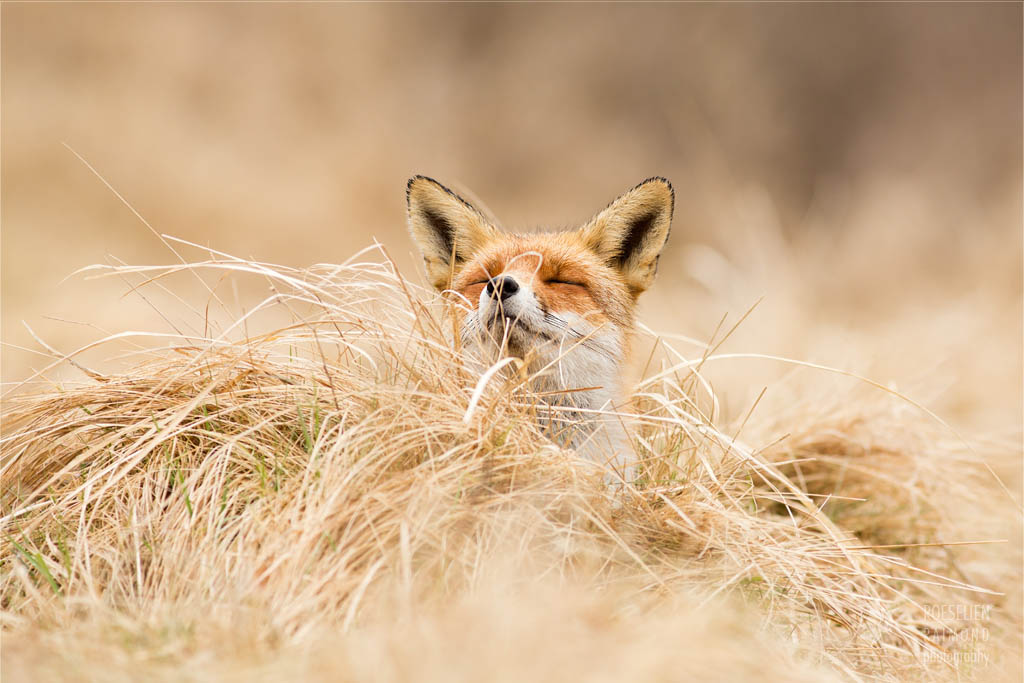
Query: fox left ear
x=447, y=228
x=630, y=234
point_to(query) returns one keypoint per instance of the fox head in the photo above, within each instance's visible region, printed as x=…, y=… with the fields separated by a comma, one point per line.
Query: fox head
x=566, y=299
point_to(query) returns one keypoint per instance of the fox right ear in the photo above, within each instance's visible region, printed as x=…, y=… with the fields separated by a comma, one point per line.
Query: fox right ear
x=447, y=229
x=631, y=232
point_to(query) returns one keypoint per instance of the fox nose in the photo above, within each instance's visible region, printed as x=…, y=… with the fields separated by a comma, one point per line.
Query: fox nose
x=503, y=286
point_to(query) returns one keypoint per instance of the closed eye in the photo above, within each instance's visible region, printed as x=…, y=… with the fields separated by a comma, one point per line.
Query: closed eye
x=567, y=282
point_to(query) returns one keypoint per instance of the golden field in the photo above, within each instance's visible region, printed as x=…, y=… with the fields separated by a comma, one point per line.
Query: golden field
x=279, y=473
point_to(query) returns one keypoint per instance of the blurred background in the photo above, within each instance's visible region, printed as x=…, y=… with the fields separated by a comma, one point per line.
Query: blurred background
x=855, y=168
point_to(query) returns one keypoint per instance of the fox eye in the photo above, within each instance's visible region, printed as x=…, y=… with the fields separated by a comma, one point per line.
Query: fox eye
x=556, y=281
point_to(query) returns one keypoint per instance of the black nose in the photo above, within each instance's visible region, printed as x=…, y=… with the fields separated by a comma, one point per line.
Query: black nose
x=504, y=285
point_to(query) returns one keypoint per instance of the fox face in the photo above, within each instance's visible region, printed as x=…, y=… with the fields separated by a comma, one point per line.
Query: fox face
x=539, y=296
x=563, y=302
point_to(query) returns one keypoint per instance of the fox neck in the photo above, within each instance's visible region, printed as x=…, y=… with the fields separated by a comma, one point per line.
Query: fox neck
x=567, y=369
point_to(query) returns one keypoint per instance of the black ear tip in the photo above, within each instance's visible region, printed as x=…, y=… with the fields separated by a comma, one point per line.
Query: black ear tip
x=416, y=179
x=659, y=179
x=419, y=179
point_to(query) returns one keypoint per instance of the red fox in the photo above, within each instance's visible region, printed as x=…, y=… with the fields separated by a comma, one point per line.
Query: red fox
x=563, y=302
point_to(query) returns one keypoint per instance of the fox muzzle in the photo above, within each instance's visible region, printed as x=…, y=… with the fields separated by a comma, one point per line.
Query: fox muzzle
x=502, y=287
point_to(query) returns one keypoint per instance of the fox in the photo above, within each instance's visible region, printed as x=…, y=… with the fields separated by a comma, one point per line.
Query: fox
x=561, y=302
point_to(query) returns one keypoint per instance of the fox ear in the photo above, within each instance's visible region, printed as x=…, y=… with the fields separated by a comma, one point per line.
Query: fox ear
x=630, y=234
x=447, y=228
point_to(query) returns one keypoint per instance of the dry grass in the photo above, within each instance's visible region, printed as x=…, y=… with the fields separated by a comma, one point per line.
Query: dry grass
x=319, y=488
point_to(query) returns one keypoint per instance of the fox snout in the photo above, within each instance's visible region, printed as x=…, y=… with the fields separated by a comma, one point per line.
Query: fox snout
x=499, y=304
x=501, y=287
x=506, y=302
